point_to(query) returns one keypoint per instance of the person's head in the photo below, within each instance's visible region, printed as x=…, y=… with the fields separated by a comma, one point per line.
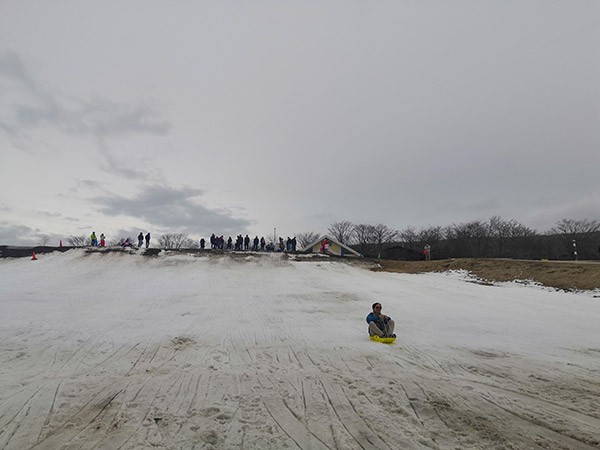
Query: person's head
x=376, y=307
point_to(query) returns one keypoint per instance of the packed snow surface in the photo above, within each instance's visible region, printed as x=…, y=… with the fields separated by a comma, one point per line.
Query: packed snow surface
x=265, y=351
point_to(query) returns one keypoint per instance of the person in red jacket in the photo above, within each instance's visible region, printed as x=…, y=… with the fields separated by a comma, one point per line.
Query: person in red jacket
x=427, y=251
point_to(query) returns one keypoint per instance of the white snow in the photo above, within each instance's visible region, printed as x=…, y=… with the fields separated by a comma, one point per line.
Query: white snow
x=121, y=350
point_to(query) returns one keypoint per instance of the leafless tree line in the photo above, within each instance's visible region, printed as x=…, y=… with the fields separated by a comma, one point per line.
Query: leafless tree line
x=492, y=238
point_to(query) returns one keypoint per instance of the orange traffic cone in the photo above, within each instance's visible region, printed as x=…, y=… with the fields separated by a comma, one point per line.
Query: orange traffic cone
x=33, y=258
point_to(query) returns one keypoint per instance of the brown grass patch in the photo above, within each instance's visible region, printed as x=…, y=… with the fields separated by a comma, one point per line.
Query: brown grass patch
x=579, y=275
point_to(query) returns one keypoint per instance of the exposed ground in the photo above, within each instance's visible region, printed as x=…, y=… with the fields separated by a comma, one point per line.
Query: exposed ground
x=569, y=275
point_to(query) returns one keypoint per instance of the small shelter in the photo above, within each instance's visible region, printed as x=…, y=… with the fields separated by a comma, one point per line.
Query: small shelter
x=330, y=246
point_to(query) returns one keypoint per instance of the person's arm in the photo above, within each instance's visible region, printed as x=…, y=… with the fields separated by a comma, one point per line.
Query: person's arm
x=380, y=319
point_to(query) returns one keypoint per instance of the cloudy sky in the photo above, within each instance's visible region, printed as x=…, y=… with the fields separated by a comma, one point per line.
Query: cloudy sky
x=241, y=117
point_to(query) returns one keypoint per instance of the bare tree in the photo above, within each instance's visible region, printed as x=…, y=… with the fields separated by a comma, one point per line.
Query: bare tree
x=382, y=234
x=175, y=241
x=364, y=234
x=573, y=227
x=577, y=236
x=43, y=240
x=307, y=238
x=77, y=241
x=410, y=239
x=430, y=235
x=342, y=231
x=408, y=235
x=469, y=239
x=372, y=239
x=503, y=235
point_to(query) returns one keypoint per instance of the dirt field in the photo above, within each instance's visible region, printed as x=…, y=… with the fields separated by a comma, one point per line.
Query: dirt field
x=569, y=275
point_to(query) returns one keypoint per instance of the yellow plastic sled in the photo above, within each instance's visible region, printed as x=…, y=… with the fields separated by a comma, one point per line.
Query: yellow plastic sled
x=385, y=340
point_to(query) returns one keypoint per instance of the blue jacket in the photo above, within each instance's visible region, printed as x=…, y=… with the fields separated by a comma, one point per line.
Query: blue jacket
x=381, y=323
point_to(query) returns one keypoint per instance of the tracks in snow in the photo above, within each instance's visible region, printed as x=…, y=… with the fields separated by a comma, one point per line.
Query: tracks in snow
x=243, y=394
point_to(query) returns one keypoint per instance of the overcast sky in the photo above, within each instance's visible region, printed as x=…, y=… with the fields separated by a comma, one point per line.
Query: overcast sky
x=241, y=117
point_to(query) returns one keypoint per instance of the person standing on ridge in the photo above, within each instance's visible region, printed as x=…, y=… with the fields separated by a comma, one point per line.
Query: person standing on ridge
x=94, y=239
x=140, y=239
x=148, y=240
x=427, y=251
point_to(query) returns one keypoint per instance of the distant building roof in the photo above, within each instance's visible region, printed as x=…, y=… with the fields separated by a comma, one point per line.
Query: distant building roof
x=330, y=239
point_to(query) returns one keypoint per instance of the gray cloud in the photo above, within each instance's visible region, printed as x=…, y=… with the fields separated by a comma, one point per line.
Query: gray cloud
x=173, y=210
x=27, y=106
x=88, y=184
x=11, y=234
x=111, y=164
x=16, y=234
x=544, y=217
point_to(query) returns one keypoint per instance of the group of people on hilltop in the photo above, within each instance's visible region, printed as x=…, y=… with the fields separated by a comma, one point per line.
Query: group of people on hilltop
x=141, y=239
x=128, y=243
x=290, y=244
x=245, y=243
x=125, y=243
x=242, y=243
x=94, y=240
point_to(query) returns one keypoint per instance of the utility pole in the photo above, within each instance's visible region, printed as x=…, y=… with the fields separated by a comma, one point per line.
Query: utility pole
x=575, y=249
x=274, y=235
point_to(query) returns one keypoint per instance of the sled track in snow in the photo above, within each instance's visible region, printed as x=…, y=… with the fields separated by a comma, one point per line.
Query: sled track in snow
x=180, y=397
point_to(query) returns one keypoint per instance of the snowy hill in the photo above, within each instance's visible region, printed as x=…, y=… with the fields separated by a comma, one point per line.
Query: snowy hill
x=263, y=351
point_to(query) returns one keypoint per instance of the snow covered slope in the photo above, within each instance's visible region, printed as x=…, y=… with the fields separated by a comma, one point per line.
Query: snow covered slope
x=260, y=351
